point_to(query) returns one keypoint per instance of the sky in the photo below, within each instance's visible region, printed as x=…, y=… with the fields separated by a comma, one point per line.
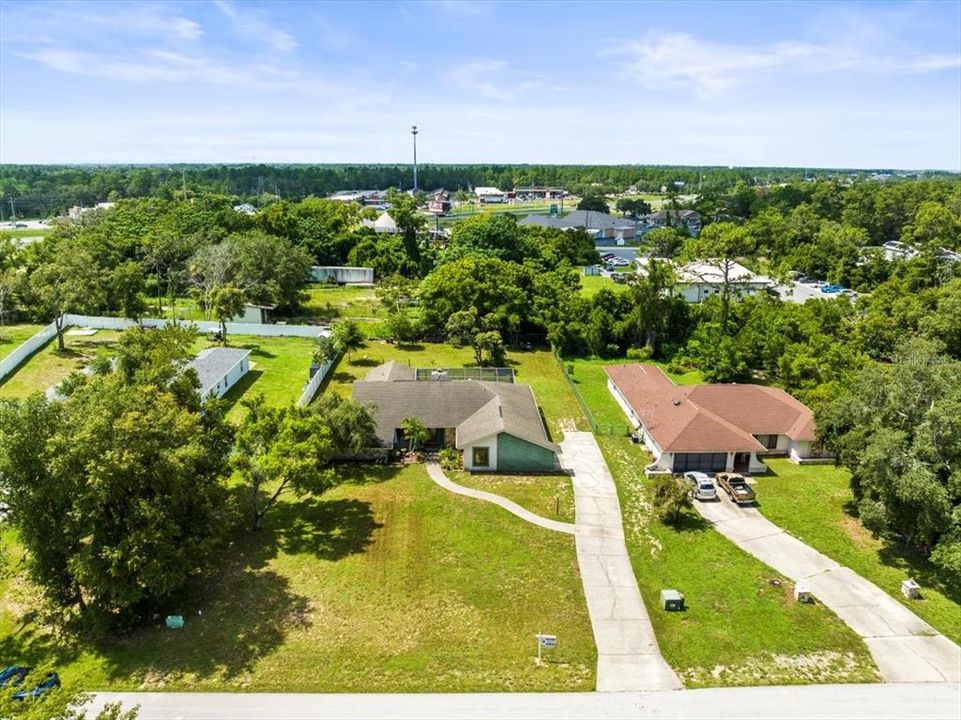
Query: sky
x=854, y=85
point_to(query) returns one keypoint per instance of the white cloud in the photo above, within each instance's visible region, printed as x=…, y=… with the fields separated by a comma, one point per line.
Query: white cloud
x=490, y=79
x=251, y=23
x=682, y=60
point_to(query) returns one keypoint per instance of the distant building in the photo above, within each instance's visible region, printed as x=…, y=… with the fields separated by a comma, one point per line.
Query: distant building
x=534, y=192
x=689, y=219
x=342, y=274
x=245, y=208
x=438, y=202
x=600, y=225
x=255, y=314
x=699, y=280
x=361, y=197
x=77, y=211
x=490, y=195
x=219, y=369
x=894, y=250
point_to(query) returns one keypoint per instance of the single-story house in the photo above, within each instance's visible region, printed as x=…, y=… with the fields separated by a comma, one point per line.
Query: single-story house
x=699, y=280
x=601, y=225
x=537, y=192
x=712, y=428
x=497, y=425
x=361, y=197
x=219, y=369
x=688, y=219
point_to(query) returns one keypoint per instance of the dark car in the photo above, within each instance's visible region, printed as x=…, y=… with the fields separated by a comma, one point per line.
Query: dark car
x=48, y=683
x=13, y=675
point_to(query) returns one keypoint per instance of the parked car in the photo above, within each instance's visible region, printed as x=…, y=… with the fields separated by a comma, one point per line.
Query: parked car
x=13, y=675
x=736, y=487
x=620, y=262
x=702, y=487
x=806, y=279
x=832, y=288
x=48, y=683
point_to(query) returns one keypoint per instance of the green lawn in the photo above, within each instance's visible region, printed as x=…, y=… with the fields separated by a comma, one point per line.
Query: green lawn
x=25, y=232
x=329, y=303
x=12, y=336
x=536, y=368
x=739, y=628
x=593, y=284
x=811, y=503
x=48, y=366
x=279, y=368
x=386, y=583
x=550, y=496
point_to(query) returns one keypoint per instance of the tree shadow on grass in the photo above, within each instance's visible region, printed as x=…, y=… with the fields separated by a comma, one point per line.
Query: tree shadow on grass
x=690, y=521
x=233, y=396
x=243, y=610
x=913, y=564
x=327, y=529
x=364, y=362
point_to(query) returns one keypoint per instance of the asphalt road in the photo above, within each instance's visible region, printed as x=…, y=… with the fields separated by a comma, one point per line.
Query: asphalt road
x=870, y=702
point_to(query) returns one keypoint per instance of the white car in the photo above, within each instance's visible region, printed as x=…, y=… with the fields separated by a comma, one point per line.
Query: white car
x=702, y=487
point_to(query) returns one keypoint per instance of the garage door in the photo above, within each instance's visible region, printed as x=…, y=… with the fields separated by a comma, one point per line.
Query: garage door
x=705, y=462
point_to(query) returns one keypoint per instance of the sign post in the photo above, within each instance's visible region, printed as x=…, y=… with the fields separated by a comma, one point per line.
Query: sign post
x=545, y=642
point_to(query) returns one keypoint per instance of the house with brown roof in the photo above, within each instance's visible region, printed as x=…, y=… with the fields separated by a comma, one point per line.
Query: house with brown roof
x=712, y=428
x=496, y=424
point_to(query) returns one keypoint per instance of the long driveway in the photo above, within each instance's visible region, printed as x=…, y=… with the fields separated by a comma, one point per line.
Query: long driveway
x=628, y=657
x=854, y=702
x=905, y=648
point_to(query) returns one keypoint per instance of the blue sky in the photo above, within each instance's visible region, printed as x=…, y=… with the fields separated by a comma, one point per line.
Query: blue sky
x=807, y=84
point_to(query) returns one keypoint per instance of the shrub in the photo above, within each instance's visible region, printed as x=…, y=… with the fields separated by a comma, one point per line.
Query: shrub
x=874, y=515
x=671, y=496
x=449, y=459
x=641, y=353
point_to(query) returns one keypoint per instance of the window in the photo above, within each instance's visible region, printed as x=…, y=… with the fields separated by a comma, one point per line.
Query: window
x=481, y=457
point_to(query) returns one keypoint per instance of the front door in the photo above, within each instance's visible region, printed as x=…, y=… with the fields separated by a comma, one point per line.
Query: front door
x=742, y=461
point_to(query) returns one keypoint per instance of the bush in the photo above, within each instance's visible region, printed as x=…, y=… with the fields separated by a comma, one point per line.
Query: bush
x=449, y=459
x=874, y=515
x=641, y=353
x=671, y=496
x=675, y=368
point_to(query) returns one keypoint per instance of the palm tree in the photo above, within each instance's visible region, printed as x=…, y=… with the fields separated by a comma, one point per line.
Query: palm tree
x=415, y=431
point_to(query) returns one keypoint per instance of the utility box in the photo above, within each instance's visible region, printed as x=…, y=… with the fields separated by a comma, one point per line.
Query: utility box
x=672, y=600
x=802, y=593
x=175, y=622
x=910, y=589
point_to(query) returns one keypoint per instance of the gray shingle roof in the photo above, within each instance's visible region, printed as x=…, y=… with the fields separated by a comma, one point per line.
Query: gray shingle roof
x=588, y=219
x=477, y=409
x=389, y=371
x=213, y=363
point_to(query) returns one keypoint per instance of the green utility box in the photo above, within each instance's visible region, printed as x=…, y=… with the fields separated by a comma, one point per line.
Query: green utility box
x=672, y=600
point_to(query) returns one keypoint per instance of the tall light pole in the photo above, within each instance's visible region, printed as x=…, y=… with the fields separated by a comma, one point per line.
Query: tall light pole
x=413, y=131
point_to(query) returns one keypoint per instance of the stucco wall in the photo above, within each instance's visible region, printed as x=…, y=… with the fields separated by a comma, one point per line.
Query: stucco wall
x=490, y=443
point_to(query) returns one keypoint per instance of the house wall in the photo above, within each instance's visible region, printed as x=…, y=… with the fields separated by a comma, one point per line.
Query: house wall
x=802, y=450
x=229, y=379
x=250, y=314
x=698, y=292
x=490, y=443
x=517, y=455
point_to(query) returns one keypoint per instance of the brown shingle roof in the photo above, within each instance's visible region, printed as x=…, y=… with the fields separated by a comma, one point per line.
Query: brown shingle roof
x=709, y=418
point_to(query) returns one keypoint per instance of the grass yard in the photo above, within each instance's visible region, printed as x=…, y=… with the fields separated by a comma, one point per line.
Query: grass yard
x=329, y=303
x=593, y=284
x=12, y=336
x=386, y=583
x=536, y=368
x=48, y=366
x=811, y=502
x=739, y=628
x=550, y=496
x=279, y=368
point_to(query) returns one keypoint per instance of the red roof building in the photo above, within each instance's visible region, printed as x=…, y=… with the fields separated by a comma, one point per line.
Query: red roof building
x=712, y=427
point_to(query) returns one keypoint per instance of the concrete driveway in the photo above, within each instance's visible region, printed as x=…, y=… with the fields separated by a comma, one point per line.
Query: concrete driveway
x=628, y=657
x=905, y=648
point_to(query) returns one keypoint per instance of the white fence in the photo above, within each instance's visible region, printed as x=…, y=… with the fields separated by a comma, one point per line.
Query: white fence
x=12, y=361
x=20, y=353
x=204, y=326
x=315, y=382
